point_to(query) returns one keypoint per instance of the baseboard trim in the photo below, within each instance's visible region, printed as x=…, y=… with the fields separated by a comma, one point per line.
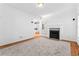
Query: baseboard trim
x=14, y=43
x=61, y=40
x=68, y=41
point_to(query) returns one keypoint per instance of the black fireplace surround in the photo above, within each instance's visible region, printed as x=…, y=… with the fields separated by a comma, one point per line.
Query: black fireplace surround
x=54, y=33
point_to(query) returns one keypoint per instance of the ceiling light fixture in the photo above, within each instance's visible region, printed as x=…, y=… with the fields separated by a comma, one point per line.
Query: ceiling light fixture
x=39, y=3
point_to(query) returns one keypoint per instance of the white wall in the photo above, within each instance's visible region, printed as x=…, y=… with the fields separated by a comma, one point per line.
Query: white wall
x=78, y=30
x=62, y=18
x=78, y=24
x=14, y=25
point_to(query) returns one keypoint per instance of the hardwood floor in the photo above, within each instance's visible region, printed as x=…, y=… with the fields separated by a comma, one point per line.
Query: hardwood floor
x=74, y=49
x=38, y=47
x=73, y=46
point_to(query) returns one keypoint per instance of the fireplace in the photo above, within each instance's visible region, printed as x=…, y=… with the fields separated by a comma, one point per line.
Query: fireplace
x=54, y=33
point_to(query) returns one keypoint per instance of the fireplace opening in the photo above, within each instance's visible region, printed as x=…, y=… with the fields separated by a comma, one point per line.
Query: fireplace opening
x=54, y=33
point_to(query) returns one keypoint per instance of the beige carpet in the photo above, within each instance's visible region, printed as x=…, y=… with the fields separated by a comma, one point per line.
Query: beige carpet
x=35, y=47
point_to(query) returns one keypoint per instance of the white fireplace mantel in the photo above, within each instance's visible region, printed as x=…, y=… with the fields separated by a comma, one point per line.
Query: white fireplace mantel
x=56, y=26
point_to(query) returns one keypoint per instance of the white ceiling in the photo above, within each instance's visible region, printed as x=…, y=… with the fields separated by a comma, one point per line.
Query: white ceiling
x=32, y=9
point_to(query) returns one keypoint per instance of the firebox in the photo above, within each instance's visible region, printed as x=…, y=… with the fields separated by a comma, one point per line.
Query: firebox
x=54, y=33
